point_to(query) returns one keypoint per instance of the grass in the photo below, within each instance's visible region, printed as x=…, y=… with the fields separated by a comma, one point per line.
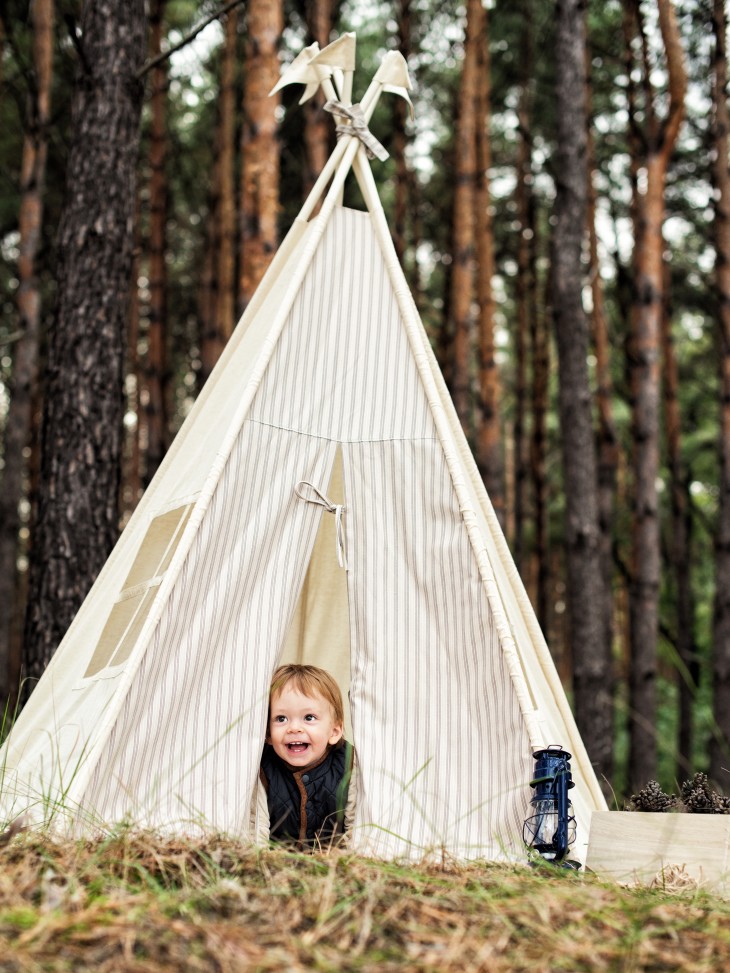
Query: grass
x=137, y=902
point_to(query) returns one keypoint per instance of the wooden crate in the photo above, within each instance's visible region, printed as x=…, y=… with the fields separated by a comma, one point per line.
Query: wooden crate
x=670, y=850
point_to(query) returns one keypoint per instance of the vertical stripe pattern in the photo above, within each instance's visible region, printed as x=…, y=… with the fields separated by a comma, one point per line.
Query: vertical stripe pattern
x=441, y=740
x=443, y=749
x=186, y=747
x=343, y=368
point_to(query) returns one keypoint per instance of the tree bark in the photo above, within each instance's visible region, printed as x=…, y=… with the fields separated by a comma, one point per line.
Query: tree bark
x=463, y=250
x=720, y=746
x=82, y=421
x=658, y=139
x=525, y=298
x=489, y=435
x=608, y=446
x=680, y=544
x=260, y=150
x=132, y=469
x=400, y=111
x=19, y=419
x=591, y=655
x=317, y=125
x=540, y=355
x=156, y=367
x=225, y=295
x=607, y=438
x=212, y=340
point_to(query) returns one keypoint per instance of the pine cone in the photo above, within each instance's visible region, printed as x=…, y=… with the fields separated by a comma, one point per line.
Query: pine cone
x=695, y=795
x=699, y=798
x=652, y=798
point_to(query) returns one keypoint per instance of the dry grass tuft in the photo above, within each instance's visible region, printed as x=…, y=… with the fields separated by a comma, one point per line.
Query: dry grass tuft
x=136, y=902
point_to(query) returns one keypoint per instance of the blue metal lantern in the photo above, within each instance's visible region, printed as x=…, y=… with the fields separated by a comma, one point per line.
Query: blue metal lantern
x=551, y=828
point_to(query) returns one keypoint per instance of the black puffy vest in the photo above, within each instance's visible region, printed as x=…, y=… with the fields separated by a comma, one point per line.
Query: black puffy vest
x=307, y=806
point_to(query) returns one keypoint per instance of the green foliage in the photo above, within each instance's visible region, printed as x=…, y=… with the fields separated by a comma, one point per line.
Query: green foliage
x=16, y=93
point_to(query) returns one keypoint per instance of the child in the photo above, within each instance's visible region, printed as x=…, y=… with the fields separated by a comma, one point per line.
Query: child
x=306, y=766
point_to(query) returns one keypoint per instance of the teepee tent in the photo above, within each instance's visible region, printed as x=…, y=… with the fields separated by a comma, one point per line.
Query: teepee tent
x=320, y=504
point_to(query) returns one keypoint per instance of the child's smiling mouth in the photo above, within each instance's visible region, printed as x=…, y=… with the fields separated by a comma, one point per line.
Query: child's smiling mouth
x=299, y=747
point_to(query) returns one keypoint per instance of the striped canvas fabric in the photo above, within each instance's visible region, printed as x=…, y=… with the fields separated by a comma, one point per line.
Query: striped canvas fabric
x=429, y=689
x=153, y=710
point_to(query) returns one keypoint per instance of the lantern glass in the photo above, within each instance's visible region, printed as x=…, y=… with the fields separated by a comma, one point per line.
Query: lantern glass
x=541, y=827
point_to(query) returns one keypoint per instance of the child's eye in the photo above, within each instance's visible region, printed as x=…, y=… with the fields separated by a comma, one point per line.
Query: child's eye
x=310, y=717
x=279, y=719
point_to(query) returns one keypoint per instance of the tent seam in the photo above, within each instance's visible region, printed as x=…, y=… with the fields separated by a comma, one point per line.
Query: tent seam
x=339, y=439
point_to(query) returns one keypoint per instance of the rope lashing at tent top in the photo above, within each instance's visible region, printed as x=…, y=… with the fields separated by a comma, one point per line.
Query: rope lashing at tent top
x=357, y=126
x=332, y=69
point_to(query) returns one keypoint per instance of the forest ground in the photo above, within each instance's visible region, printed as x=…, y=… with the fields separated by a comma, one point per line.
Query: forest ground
x=134, y=902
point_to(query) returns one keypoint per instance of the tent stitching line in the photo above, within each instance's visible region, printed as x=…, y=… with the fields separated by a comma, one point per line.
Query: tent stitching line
x=335, y=439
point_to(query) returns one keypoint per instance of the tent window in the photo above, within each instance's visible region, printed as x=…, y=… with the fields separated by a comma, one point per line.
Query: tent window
x=156, y=550
x=124, y=620
x=133, y=605
x=127, y=641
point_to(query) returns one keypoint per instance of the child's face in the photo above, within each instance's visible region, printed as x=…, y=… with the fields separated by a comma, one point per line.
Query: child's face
x=301, y=727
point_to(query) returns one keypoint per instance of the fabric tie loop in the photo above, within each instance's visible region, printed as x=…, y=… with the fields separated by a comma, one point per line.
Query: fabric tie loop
x=354, y=115
x=338, y=509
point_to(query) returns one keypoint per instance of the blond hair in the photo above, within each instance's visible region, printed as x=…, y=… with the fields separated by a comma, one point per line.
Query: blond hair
x=311, y=681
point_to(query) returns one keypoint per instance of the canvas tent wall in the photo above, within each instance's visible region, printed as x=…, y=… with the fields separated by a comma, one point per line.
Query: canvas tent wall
x=320, y=503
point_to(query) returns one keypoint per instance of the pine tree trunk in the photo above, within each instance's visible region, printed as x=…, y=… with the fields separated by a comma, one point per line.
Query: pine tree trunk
x=540, y=355
x=489, y=436
x=225, y=295
x=132, y=470
x=591, y=655
x=157, y=369
x=317, y=124
x=400, y=110
x=212, y=340
x=82, y=420
x=462, y=250
x=659, y=141
x=680, y=544
x=720, y=748
x=260, y=150
x=19, y=419
x=525, y=286
x=607, y=437
x=625, y=277
x=443, y=339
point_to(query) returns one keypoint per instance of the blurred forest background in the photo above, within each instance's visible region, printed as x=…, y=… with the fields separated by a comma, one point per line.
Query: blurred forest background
x=561, y=206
